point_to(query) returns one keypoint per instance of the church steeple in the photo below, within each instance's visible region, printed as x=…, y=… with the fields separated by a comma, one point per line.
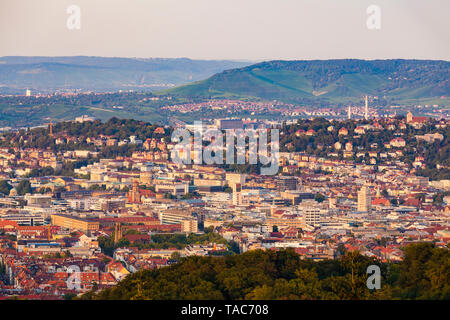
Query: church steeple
x=117, y=232
x=50, y=128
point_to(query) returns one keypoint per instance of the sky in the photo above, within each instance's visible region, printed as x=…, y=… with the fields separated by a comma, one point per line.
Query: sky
x=227, y=29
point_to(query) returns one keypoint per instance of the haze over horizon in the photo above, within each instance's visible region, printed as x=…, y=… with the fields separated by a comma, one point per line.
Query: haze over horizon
x=227, y=30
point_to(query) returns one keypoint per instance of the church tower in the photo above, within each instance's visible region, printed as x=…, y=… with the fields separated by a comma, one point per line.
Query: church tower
x=117, y=232
x=134, y=195
x=409, y=117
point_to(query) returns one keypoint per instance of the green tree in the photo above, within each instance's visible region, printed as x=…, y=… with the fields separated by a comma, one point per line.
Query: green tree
x=5, y=187
x=319, y=197
x=175, y=255
x=24, y=187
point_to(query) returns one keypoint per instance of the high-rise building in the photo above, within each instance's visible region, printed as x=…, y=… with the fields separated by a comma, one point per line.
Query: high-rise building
x=332, y=203
x=73, y=222
x=349, y=113
x=364, y=199
x=28, y=92
x=366, y=111
x=237, y=196
x=313, y=216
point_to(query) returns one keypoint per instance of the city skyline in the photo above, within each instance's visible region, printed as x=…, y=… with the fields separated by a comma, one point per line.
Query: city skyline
x=237, y=175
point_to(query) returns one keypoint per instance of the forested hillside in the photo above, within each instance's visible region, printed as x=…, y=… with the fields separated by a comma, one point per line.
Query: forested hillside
x=423, y=274
x=330, y=81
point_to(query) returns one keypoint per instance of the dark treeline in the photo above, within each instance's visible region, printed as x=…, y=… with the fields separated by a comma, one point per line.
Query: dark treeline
x=423, y=274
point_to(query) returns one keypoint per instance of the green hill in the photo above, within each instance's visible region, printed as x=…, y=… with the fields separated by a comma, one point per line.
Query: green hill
x=328, y=81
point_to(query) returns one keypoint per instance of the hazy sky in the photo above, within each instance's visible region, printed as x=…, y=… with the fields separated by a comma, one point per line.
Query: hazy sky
x=227, y=29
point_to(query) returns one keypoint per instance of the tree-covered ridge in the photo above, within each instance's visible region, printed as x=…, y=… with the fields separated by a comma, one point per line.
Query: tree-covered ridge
x=321, y=143
x=113, y=128
x=414, y=73
x=328, y=81
x=423, y=274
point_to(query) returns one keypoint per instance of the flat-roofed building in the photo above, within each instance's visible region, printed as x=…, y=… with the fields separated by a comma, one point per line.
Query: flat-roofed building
x=173, y=216
x=296, y=197
x=178, y=189
x=38, y=200
x=235, y=178
x=223, y=124
x=23, y=218
x=188, y=222
x=189, y=225
x=134, y=220
x=71, y=222
x=313, y=216
x=294, y=221
x=286, y=183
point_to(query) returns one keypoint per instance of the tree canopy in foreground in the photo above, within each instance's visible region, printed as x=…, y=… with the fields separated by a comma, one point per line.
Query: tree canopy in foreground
x=424, y=273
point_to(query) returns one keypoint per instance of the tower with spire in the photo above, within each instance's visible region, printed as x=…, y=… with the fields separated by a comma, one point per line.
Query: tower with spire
x=50, y=128
x=117, y=232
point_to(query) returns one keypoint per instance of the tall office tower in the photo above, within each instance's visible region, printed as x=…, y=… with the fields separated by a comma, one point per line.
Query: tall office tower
x=364, y=199
x=237, y=197
x=313, y=216
x=28, y=92
x=366, y=112
x=349, y=113
x=332, y=203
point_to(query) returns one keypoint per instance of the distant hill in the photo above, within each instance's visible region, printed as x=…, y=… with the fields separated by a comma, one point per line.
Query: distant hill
x=103, y=74
x=329, y=81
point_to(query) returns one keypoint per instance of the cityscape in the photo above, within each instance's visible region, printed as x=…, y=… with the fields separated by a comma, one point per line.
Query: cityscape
x=198, y=179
